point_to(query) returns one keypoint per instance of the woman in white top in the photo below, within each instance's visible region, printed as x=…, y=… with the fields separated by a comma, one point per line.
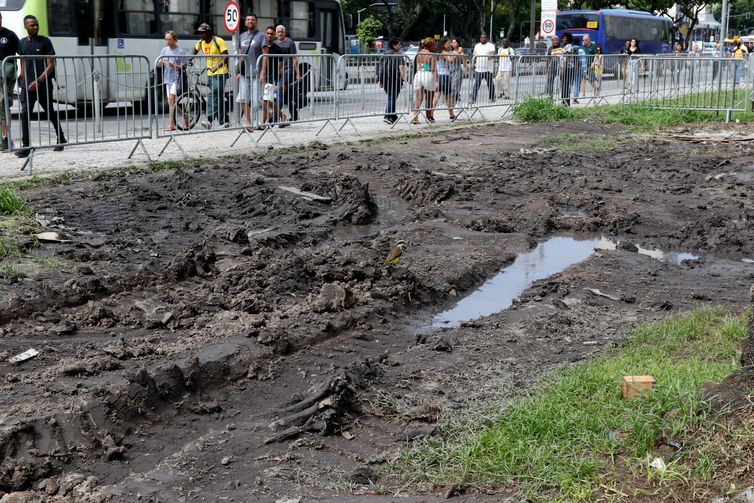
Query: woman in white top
x=425, y=79
x=172, y=64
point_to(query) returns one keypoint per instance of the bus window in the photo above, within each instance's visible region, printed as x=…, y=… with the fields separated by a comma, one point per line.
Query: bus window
x=301, y=21
x=578, y=21
x=215, y=19
x=60, y=18
x=137, y=17
x=11, y=4
x=181, y=16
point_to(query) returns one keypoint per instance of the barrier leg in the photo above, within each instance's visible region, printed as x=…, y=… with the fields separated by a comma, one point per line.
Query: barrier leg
x=140, y=143
x=171, y=140
x=29, y=162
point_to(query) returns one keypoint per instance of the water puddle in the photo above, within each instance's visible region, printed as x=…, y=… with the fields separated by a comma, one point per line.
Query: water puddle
x=547, y=259
x=389, y=211
x=672, y=257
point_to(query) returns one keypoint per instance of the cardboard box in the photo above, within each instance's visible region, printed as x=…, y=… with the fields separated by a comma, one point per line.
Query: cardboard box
x=634, y=386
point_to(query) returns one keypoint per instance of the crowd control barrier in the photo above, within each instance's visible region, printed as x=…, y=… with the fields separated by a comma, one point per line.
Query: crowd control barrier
x=62, y=101
x=65, y=100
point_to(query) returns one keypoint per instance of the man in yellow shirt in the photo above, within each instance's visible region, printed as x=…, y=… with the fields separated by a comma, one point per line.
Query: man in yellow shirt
x=740, y=54
x=217, y=71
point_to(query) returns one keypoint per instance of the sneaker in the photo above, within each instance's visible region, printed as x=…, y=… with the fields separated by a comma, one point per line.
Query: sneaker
x=206, y=124
x=575, y=101
x=226, y=125
x=4, y=143
x=24, y=152
x=59, y=148
x=387, y=121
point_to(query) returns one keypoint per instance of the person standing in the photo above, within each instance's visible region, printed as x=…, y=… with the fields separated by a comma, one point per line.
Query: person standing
x=391, y=75
x=634, y=66
x=568, y=62
x=444, y=80
x=484, y=64
x=269, y=79
x=553, y=65
x=505, y=70
x=172, y=63
x=579, y=72
x=598, y=68
x=8, y=47
x=459, y=67
x=425, y=79
x=590, y=49
x=217, y=71
x=35, y=82
x=740, y=52
x=252, y=45
x=289, y=74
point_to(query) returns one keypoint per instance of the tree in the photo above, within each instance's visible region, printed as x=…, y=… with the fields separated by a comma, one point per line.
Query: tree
x=367, y=31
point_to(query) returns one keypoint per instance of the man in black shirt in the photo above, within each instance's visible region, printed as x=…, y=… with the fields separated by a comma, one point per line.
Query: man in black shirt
x=35, y=82
x=8, y=47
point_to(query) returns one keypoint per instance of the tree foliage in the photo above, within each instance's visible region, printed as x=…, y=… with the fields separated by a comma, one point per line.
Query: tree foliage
x=368, y=30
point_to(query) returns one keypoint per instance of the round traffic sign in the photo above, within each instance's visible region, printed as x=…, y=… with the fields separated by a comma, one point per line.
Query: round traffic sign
x=232, y=16
x=548, y=26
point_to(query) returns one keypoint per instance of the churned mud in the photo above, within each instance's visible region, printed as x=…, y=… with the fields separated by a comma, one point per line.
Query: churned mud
x=228, y=332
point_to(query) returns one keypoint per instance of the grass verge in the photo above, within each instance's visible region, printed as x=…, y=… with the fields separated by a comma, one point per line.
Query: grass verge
x=639, y=116
x=10, y=202
x=573, y=438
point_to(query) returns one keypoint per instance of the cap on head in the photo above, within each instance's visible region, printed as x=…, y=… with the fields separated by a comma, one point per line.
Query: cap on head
x=204, y=27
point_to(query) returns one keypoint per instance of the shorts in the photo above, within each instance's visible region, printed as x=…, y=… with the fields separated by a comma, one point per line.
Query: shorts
x=425, y=80
x=248, y=90
x=6, y=94
x=171, y=88
x=270, y=92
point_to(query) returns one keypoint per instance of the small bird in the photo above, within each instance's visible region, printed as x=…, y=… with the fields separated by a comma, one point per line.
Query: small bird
x=394, y=257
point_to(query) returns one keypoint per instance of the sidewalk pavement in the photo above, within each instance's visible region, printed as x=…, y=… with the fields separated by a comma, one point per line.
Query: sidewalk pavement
x=217, y=143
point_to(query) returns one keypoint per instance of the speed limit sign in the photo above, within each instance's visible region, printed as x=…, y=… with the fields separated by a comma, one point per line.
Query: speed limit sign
x=232, y=17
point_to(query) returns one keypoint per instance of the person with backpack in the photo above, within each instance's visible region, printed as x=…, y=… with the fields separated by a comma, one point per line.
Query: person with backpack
x=217, y=72
x=391, y=73
x=252, y=44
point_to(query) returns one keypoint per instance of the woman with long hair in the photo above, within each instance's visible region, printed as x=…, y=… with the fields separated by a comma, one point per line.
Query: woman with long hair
x=459, y=66
x=634, y=66
x=444, y=83
x=425, y=78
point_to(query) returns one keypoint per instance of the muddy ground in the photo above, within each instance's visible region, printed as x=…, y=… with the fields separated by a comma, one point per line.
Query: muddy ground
x=205, y=335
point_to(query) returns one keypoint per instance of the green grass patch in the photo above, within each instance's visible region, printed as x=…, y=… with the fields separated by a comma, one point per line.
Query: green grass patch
x=573, y=431
x=10, y=202
x=544, y=110
x=638, y=115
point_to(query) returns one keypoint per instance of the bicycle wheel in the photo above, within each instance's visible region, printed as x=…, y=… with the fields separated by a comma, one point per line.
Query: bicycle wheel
x=188, y=108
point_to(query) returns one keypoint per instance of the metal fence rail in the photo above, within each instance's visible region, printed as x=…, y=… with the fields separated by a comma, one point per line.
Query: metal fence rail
x=66, y=106
x=176, y=97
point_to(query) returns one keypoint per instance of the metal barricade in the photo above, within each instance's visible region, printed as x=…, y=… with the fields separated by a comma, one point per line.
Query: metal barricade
x=78, y=100
x=300, y=88
x=689, y=83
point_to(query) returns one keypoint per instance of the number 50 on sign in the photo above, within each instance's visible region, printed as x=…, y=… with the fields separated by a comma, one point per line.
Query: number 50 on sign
x=232, y=17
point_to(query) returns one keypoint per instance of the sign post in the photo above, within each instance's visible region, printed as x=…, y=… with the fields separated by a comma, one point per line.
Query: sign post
x=547, y=21
x=232, y=20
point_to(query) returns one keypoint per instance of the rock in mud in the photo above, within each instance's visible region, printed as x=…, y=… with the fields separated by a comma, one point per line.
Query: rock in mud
x=417, y=432
x=333, y=297
x=427, y=189
x=364, y=476
x=154, y=313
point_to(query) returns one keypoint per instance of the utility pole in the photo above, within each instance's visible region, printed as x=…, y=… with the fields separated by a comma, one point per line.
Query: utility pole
x=723, y=28
x=533, y=26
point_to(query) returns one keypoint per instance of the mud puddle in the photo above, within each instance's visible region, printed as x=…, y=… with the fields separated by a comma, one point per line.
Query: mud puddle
x=390, y=211
x=547, y=259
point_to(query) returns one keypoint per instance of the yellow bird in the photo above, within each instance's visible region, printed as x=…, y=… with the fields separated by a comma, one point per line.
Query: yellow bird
x=394, y=257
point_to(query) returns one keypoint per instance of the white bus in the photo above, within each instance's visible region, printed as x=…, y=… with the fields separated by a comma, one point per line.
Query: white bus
x=137, y=27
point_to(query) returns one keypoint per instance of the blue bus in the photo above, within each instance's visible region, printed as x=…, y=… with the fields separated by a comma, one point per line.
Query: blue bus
x=610, y=28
